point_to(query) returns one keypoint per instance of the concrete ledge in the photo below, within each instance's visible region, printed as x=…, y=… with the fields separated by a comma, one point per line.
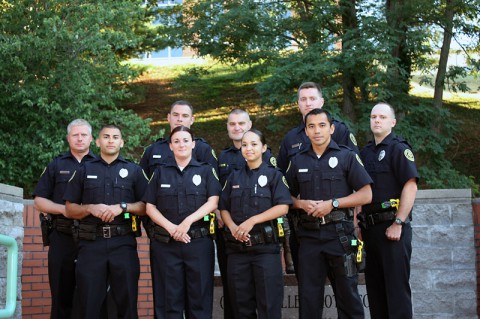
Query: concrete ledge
x=11, y=193
x=444, y=194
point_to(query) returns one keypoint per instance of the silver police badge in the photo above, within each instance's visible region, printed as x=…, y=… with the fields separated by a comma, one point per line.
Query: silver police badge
x=333, y=162
x=381, y=155
x=262, y=180
x=197, y=179
x=123, y=173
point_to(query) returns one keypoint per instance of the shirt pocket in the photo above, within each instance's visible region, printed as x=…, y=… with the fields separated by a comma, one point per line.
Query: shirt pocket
x=123, y=192
x=332, y=184
x=261, y=199
x=167, y=202
x=236, y=202
x=196, y=197
x=94, y=192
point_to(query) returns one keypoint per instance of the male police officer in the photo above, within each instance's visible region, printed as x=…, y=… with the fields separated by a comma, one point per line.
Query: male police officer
x=326, y=181
x=386, y=222
x=309, y=98
x=49, y=200
x=105, y=194
x=181, y=114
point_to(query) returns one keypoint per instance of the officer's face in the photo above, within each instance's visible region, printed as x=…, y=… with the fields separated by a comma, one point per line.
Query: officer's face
x=79, y=138
x=182, y=144
x=237, y=125
x=382, y=120
x=110, y=141
x=318, y=129
x=180, y=115
x=309, y=99
x=252, y=147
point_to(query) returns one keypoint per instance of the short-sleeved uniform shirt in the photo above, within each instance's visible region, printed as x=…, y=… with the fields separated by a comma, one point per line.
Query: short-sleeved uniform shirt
x=297, y=140
x=231, y=159
x=54, y=179
x=337, y=173
x=160, y=152
x=391, y=164
x=251, y=192
x=179, y=193
x=98, y=182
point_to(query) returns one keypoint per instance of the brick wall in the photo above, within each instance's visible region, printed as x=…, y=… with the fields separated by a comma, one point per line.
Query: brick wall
x=35, y=288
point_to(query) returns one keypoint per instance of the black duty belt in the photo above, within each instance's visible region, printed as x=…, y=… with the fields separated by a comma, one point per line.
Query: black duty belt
x=313, y=223
x=378, y=218
x=108, y=231
x=256, y=238
x=64, y=226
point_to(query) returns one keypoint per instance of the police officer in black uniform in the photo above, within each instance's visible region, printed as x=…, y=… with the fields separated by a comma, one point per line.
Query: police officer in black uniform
x=181, y=196
x=326, y=182
x=309, y=98
x=58, y=228
x=385, y=222
x=253, y=201
x=231, y=159
x=105, y=195
x=181, y=114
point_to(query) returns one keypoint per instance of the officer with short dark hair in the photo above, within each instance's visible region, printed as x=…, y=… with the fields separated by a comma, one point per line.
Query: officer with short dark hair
x=309, y=97
x=253, y=201
x=105, y=195
x=181, y=114
x=326, y=182
x=385, y=222
x=181, y=196
x=49, y=200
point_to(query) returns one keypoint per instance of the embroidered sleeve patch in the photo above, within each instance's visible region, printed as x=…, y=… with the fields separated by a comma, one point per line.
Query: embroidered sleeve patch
x=353, y=139
x=409, y=155
x=358, y=159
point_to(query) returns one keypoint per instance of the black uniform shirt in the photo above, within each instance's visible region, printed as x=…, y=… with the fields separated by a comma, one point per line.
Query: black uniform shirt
x=390, y=164
x=251, y=192
x=296, y=140
x=177, y=194
x=231, y=159
x=98, y=182
x=160, y=152
x=337, y=173
x=54, y=179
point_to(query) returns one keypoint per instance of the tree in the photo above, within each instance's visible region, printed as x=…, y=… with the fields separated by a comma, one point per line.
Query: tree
x=59, y=61
x=361, y=51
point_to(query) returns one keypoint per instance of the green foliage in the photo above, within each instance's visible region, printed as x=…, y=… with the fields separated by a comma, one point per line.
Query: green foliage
x=60, y=61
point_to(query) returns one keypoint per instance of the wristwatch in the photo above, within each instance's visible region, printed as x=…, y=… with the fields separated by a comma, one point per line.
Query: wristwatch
x=398, y=221
x=123, y=206
x=335, y=203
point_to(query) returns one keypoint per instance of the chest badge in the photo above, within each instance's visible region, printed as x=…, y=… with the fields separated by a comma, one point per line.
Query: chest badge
x=197, y=179
x=262, y=180
x=333, y=162
x=381, y=155
x=123, y=173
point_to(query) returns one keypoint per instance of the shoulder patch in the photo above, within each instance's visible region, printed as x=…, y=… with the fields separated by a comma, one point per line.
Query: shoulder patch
x=409, y=155
x=213, y=154
x=358, y=159
x=215, y=173
x=284, y=180
x=273, y=161
x=353, y=139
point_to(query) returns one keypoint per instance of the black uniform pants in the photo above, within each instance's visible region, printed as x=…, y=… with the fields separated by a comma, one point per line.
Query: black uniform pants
x=256, y=285
x=222, y=264
x=183, y=275
x=113, y=258
x=61, y=273
x=387, y=272
x=321, y=254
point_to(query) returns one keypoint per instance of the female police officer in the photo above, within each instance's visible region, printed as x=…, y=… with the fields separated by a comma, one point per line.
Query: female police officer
x=252, y=200
x=179, y=197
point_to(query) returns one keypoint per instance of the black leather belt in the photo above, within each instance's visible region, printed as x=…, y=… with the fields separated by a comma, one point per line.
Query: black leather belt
x=62, y=225
x=108, y=231
x=314, y=223
x=378, y=218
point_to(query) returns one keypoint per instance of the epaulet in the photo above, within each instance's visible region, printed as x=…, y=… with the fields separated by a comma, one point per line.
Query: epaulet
x=345, y=147
x=200, y=139
x=161, y=139
x=399, y=139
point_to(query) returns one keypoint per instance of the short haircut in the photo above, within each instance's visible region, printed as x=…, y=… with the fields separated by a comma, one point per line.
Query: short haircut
x=79, y=122
x=317, y=112
x=181, y=129
x=182, y=102
x=238, y=112
x=389, y=105
x=309, y=85
x=114, y=126
x=259, y=134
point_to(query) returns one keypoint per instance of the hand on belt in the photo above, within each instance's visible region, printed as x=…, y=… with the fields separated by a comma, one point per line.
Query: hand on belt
x=333, y=216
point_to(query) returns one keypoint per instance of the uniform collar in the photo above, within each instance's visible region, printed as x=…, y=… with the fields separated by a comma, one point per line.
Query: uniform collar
x=331, y=147
x=387, y=140
x=172, y=163
x=90, y=154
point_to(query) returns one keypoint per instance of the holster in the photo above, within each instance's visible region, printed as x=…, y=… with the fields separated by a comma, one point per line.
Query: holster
x=350, y=264
x=46, y=228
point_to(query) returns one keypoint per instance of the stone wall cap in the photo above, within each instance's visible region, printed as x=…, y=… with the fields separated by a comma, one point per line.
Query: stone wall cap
x=444, y=193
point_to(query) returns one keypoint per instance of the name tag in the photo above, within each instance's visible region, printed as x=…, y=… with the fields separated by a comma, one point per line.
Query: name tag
x=165, y=185
x=64, y=172
x=235, y=186
x=92, y=176
x=303, y=170
x=157, y=156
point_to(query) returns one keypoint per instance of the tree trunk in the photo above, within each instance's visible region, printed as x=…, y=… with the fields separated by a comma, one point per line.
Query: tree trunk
x=442, y=64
